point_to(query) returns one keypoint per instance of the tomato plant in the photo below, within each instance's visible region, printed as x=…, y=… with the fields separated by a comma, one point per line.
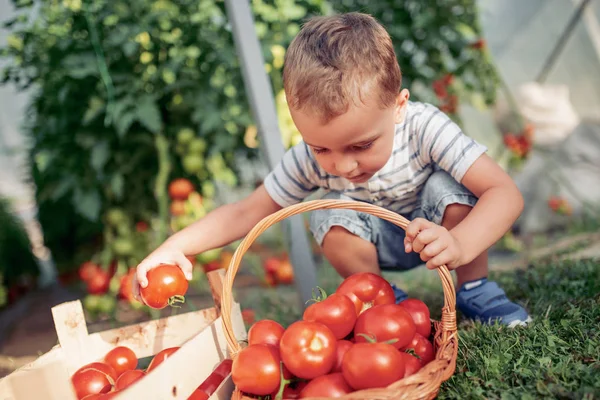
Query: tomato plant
x=337, y=312
x=372, y=365
x=329, y=386
x=386, y=322
x=419, y=312
x=366, y=290
x=166, y=286
x=257, y=369
x=265, y=331
x=127, y=378
x=160, y=357
x=308, y=349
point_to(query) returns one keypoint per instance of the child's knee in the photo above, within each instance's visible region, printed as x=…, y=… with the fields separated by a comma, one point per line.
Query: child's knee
x=337, y=236
x=455, y=213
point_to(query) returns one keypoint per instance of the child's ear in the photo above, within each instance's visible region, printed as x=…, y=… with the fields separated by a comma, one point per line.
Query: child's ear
x=401, y=102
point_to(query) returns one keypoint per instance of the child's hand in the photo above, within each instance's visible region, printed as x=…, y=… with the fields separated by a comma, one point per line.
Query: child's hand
x=434, y=243
x=160, y=256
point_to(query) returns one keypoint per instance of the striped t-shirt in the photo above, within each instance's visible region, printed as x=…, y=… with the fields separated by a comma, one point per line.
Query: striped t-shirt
x=427, y=137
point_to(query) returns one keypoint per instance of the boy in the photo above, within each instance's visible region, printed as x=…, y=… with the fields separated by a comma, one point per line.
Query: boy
x=364, y=140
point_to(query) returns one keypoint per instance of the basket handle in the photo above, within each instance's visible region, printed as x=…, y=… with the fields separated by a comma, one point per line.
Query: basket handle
x=448, y=319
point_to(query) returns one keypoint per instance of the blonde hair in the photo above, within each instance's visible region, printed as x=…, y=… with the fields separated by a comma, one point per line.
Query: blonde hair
x=339, y=60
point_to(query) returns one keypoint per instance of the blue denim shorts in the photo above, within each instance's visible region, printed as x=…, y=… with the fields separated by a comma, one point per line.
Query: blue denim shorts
x=439, y=191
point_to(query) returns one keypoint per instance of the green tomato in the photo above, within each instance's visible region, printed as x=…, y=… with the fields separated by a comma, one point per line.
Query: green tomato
x=209, y=256
x=123, y=247
x=197, y=146
x=91, y=302
x=193, y=163
x=107, y=304
x=116, y=216
x=185, y=136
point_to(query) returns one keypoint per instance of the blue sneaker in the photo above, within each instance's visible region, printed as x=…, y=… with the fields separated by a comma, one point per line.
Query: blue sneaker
x=485, y=301
x=400, y=294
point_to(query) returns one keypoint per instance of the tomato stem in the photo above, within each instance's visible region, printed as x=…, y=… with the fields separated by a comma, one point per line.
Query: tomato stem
x=318, y=297
x=175, y=300
x=283, y=383
x=369, y=338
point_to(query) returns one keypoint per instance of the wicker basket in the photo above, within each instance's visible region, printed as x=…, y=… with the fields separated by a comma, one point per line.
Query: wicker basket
x=422, y=385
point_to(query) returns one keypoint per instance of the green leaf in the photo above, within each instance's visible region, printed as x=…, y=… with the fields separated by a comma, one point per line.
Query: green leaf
x=149, y=115
x=210, y=122
x=95, y=108
x=80, y=65
x=130, y=48
x=100, y=154
x=87, y=203
x=62, y=188
x=117, y=183
x=466, y=31
x=124, y=122
x=43, y=159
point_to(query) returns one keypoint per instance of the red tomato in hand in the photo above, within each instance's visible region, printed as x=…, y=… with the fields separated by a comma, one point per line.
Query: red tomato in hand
x=329, y=386
x=265, y=331
x=257, y=369
x=160, y=357
x=422, y=347
x=337, y=312
x=93, y=378
x=308, y=349
x=420, y=314
x=342, y=348
x=166, y=285
x=366, y=290
x=372, y=365
x=386, y=322
x=412, y=364
x=127, y=378
x=122, y=359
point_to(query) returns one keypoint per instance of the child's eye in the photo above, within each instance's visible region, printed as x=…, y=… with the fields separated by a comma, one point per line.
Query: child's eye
x=363, y=147
x=319, y=151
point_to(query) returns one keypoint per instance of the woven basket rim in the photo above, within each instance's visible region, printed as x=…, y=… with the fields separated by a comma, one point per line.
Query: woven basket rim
x=422, y=385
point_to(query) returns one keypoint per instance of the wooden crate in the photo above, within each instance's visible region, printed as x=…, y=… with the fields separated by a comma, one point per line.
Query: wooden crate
x=199, y=333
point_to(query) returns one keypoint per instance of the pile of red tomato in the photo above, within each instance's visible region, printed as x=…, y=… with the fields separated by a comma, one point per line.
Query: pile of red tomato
x=356, y=338
x=118, y=370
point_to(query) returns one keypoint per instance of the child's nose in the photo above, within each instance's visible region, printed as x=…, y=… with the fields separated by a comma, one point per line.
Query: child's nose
x=345, y=165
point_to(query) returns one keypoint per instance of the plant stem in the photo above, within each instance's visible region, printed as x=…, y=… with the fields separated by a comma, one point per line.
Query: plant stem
x=160, y=185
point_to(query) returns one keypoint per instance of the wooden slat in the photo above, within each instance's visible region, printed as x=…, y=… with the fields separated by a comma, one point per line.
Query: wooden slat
x=50, y=382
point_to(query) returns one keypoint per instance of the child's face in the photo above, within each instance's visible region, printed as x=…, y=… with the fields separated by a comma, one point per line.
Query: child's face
x=354, y=145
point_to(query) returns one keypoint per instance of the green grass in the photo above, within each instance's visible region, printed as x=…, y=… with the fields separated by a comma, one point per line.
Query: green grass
x=556, y=357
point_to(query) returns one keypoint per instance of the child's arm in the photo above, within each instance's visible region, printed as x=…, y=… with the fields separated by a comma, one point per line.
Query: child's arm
x=500, y=204
x=218, y=228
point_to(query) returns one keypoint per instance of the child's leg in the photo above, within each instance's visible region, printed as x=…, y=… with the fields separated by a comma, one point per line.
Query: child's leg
x=356, y=242
x=349, y=253
x=446, y=202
